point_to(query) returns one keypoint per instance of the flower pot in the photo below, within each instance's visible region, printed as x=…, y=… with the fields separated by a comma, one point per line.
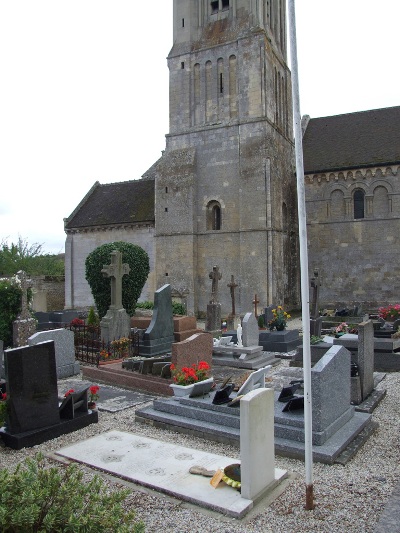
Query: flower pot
x=280, y=328
x=92, y=405
x=185, y=390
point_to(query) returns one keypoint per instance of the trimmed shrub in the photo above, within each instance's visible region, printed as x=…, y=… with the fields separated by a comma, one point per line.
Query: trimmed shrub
x=132, y=284
x=10, y=307
x=34, y=498
x=177, y=308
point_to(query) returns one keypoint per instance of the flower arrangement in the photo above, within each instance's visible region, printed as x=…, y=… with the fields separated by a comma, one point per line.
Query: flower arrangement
x=93, y=393
x=391, y=312
x=188, y=375
x=70, y=391
x=279, y=320
x=76, y=322
x=104, y=354
x=342, y=328
x=121, y=345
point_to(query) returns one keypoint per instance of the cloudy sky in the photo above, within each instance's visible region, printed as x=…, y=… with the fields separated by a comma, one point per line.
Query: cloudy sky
x=84, y=93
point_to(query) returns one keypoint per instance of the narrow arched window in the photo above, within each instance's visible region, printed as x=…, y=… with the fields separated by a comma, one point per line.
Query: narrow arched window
x=359, y=201
x=214, y=216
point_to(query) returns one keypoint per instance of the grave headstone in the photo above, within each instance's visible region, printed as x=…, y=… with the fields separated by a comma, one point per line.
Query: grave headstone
x=66, y=365
x=365, y=357
x=257, y=452
x=268, y=314
x=32, y=396
x=198, y=347
x=330, y=386
x=159, y=336
x=315, y=285
x=213, y=321
x=31, y=387
x=116, y=323
x=250, y=333
x=24, y=326
x=316, y=326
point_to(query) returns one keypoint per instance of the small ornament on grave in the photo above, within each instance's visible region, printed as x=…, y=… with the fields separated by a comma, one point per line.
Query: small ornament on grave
x=279, y=320
x=232, y=476
x=217, y=478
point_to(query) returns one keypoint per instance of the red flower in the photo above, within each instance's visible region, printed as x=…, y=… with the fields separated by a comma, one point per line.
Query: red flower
x=3, y=396
x=70, y=391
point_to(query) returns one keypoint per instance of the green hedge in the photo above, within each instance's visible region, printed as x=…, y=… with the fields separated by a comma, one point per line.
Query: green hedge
x=10, y=307
x=132, y=284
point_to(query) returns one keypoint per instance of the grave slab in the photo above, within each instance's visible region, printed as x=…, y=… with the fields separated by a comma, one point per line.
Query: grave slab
x=163, y=467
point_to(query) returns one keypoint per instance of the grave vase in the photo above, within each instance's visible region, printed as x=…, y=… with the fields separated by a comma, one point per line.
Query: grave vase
x=280, y=327
x=185, y=390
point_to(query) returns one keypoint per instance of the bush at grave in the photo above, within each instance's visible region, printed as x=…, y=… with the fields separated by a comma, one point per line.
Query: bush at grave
x=177, y=307
x=132, y=284
x=36, y=498
x=10, y=307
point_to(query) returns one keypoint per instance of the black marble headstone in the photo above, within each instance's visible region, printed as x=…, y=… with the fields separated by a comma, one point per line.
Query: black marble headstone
x=32, y=387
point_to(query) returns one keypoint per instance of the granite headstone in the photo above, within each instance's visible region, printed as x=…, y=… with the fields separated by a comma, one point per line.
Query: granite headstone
x=159, y=336
x=250, y=333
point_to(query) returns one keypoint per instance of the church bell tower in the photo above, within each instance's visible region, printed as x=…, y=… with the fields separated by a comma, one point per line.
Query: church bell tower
x=225, y=186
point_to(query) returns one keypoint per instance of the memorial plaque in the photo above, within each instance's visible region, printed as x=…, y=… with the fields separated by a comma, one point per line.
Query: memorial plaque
x=31, y=387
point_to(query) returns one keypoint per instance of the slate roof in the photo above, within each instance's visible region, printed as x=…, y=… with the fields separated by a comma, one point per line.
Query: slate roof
x=126, y=202
x=354, y=140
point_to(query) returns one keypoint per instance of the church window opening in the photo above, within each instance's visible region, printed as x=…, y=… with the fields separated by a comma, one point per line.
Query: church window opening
x=214, y=216
x=221, y=83
x=359, y=201
x=183, y=23
x=225, y=4
x=215, y=6
x=166, y=189
x=166, y=209
x=182, y=64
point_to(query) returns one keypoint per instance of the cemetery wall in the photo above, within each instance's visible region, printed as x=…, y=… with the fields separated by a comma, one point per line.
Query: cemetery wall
x=355, y=256
x=48, y=293
x=78, y=246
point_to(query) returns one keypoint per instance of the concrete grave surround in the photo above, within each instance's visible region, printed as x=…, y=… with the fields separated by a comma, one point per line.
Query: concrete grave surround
x=160, y=466
x=257, y=453
x=250, y=334
x=198, y=347
x=159, y=336
x=66, y=365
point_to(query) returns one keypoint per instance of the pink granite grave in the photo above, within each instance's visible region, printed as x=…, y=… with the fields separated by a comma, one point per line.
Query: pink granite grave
x=198, y=347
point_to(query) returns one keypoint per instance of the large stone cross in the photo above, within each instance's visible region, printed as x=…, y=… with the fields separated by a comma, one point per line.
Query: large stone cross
x=232, y=286
x=255, y=302
x=25, y=285
x=116, y=271
x=215, y=276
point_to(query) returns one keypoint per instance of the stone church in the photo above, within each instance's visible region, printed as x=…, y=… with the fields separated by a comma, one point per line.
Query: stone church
x=224, y=191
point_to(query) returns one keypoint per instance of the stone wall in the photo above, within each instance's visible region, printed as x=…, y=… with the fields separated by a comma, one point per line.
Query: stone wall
x=78, y=246
x=48, y=293
x=357, y=258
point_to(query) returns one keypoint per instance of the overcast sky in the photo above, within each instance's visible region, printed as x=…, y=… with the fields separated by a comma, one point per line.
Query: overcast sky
x=84, y=93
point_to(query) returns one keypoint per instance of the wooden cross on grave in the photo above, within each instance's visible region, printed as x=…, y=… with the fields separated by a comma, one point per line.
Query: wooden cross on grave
x=232, y=286
x=116, y=271
x=25, y=285
x=215, y=276
x=255, y=302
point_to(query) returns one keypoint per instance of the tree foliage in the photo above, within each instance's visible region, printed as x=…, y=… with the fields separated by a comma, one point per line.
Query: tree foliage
x=30, y=258
x=34, y=498
x=10, y=307
x=132, y=284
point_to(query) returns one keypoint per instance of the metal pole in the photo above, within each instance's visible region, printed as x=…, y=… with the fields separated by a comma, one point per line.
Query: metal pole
x=303, y=261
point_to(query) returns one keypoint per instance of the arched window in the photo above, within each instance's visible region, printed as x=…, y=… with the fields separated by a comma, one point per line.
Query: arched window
x=214, y=216
x=359, y=201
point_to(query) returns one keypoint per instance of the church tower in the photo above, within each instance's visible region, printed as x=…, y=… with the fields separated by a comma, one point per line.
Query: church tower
x=225, y=186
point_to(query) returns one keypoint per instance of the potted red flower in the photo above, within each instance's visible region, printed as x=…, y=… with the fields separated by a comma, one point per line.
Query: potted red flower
x=186, y=377
x=93, y=396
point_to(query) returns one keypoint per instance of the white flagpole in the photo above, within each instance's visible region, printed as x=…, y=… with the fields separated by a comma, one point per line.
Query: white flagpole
x=303, y=261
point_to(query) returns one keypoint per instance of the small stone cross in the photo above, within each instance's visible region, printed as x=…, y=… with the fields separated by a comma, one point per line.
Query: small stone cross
x=116, y=271
x=232, y=286
x=215, y=276
x=255, y=302
x=315, y=285
x=25, y=285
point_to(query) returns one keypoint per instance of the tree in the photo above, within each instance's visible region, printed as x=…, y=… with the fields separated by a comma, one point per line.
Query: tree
x=10, y=307
x=132, y=284
x=30, y=258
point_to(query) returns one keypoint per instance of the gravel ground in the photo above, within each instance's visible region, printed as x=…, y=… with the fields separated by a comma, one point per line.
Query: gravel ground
x=348, y=498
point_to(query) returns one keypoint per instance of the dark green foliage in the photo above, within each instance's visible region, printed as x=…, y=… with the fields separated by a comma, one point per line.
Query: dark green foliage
x=30, y=259
x=38, y=499
x=10, y=307
x=132, y=285
x=261, y=321
x=93, y=318
x=177, y=308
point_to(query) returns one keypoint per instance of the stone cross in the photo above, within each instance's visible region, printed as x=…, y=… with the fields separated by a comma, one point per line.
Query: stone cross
x=255, y=302
x=116, y=271
x=315, y=285
x=215, y=276
x=232, y=286
x=25, y=285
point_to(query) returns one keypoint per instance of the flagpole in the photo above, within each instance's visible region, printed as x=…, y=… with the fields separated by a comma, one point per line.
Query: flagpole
x=305, y=313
